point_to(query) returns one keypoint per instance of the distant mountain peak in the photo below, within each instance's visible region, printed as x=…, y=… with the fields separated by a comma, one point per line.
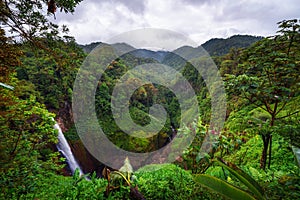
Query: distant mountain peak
x=221, y=46
x=214, y=46
x=120, y=46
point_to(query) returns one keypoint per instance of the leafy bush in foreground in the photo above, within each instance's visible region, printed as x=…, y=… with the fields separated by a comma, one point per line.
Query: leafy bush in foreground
x=169, y=181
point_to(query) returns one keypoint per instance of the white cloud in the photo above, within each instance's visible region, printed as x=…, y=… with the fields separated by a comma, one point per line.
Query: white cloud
x=97, y=22
x=200, y=20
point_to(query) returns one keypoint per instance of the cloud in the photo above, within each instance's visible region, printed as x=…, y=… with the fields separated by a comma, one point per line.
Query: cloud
x=136, y=6
x=98, y=21
x=201, y=20
x=153, y=38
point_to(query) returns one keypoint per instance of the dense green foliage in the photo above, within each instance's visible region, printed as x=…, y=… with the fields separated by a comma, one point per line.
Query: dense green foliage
x=270, y=79
x=26, y=131
x=37, y=75
x=152, y=184
x=219, y=47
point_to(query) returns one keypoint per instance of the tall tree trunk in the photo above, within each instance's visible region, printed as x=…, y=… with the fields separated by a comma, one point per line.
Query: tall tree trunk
x=270, y=135
x=270, y=152
x=263, y=159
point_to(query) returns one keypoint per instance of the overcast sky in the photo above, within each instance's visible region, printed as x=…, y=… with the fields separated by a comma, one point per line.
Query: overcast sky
x=200, y=20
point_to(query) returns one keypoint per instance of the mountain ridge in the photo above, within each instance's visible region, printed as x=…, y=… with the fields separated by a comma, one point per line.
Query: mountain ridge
x=214, y=47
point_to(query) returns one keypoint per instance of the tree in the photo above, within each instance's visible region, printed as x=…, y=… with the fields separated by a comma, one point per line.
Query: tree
x=27, y=136
x=26, y=18
x=229, y=62
x=50, y=57
x=54, y=80
x=271, y=78
x=9, y=57
x=27, y=21
x=26, y=129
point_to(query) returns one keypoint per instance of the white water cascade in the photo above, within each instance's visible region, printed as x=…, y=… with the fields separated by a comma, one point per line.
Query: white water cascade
x=296, y=151
x=65, y=149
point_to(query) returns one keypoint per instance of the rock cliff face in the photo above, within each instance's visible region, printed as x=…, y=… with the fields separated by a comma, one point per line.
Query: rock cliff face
x=65, y=116
x=86, y=161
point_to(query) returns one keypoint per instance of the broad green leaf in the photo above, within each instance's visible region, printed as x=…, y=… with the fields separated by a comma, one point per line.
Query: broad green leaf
x=253, y=186
x=222, y=187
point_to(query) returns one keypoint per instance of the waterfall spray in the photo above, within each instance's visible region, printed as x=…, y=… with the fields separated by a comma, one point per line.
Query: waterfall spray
x=65, y=150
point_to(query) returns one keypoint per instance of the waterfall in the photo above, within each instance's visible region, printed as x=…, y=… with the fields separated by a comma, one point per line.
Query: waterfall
x=65, y=149
x=296, y=151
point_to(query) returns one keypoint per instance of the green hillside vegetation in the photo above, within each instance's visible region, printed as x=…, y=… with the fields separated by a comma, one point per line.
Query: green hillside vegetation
x=219, y=47
x=251, y=158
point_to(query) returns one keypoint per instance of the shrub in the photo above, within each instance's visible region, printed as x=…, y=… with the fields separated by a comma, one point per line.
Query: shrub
x=169, y=181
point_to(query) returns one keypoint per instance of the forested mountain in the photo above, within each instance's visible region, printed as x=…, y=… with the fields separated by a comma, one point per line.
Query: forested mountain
x=218, y=46
x=121, y=47
x=254, y=156
x=215, y=47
